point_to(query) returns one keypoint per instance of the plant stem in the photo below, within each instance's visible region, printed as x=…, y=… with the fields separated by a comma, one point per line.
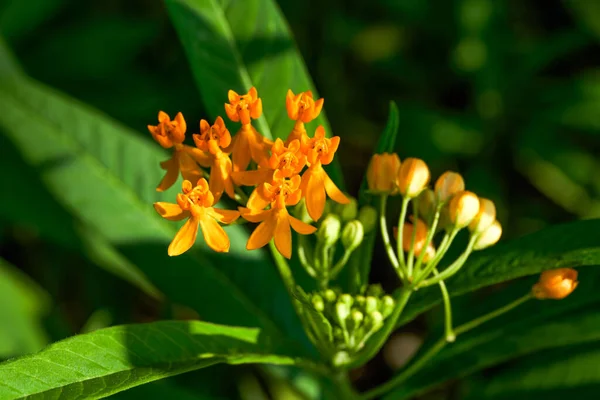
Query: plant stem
x=415, y=366
x=430, y=234
x=450, y=335
x=444, y=246
x=399, y=249
x=453, y=268
x=344, y=388
x=411, y=251
x=386, y=238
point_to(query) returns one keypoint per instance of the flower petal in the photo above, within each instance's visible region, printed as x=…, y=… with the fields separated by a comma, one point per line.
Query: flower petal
x=258, y=200
x=240, y=150
x=172, y=167
x=214, y=235
x=301, y=227
x=254, y=215
x=171, y=211
x=332, y=190
x=283, y=234
x=314, y=193
x=224, y=216
x=185, y=238
x=262, y=234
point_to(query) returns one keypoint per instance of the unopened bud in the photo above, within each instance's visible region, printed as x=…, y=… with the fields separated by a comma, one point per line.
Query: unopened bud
x=348, y=211
x=413, y=177
x=371, y=304
x=342, y=311
x=360, y=300
x=346, y=299
x=375, y=320
x=317, y=302
x=485, y=217
x=447, y=185
x=426, y=204
x=387, y=305
x=352, y=235
x=330, y=295
x=329, y=230
x=463, y=208
x=375, y=290
x=367, y=216
x=382, y=172
x=357, y=317
x=555, y=284
x=489, y=237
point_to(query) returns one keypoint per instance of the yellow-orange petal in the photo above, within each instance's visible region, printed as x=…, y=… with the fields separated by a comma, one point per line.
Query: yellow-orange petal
x=262, y=234
x=256, y=109
x=240, y=151
x=214, y=235
x=333, y=191
x=314, y=194
x=231, y=112
x=232, y=96
x=223, y=216
x=301, y=227
x=201, y=157
x=185, y=237
x=254, y=215
x=258, y=200
x=283, y=234
x=252, y=178
x=172, y=167
x=179, y=133
x=170, y=211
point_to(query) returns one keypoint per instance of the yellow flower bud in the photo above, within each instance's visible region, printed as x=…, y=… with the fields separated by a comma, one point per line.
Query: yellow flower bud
x=489, y=237
x=463, y=208
x=382, y=173
x=555, y=284
x=485, y=217
x=413, y=177
x=447, y=185
x=420, y=238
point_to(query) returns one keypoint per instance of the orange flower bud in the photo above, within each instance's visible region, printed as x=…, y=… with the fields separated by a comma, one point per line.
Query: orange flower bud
x=382, y=173
x=412, y=177
x=420, y=238
x=485, y=217
x=555, y=284
x=463, y=208
x=447, y=185
x=489, y=237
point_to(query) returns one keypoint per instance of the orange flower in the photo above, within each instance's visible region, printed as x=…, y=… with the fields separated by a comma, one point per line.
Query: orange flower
x=247, y=144
x=288, y=160
x=555, y=284
x=212, y=139
x=195, y=204
x=185, y=158
x=301, y=108
x=276, y=222
x=383, y=172
x=315, y=181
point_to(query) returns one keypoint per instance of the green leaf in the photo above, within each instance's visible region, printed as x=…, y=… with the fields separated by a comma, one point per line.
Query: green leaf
x=569, y=372
x=575, y=244
x=24, y=303
x=106, y=175
x=387, y=141
x=240, y=44
x=107, y=361
x=536, y=326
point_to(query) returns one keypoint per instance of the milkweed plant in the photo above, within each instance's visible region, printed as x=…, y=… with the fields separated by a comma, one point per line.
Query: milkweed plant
x=281, y=191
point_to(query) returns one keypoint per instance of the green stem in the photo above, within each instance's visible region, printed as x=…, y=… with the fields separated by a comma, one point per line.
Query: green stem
x=452, y=269
x=399, y=250
x=444, y=246
x=386, y=238
x=415, y=366
x=340, y=264
x=411, y=251
x=382, y=335
x=450, y=335
x=430, y=234
x=344, y=388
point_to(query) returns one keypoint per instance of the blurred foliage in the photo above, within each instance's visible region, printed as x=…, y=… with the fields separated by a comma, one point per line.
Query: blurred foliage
x=507, y=92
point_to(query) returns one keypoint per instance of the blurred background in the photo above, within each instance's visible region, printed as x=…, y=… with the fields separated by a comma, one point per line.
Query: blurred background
x=506, y=92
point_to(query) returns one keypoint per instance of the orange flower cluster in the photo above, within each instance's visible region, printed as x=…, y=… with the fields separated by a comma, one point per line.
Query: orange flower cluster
x=278, y=177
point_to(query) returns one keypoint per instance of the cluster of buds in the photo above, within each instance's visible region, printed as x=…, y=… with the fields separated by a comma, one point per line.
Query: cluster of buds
x=282, y=172
x=445, y=207
x=342, y=323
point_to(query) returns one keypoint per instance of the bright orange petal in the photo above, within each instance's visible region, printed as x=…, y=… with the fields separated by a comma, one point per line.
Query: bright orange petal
x=172, y=167
x=214, y=235
x=301, y=227
x=202, y=158
x=262, y=234
x=257, y=200
x=283, y=234
x=185, y=238
x=254, y=215
x=314, y=194
x=170, y=211
x=224, y=216
x=332, y=190
x=252, y=178
x=241, y=151
x=216, y=182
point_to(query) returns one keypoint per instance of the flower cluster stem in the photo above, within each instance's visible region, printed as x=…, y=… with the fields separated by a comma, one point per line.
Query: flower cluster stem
x=386, y=238
x=422, y=360
x=453, y=268
x=399, y=249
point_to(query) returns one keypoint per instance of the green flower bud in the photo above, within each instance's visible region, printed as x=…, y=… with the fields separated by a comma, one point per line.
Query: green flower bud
x=342, y=310
x=375, y=320
x=330, y=295
x=346, y=299
x=427, y=204
x=357, y=317
x=338, y=333
x=371, y=304
x=387, y=305
x=352, y=235
x=360, y=300
x=367, y=215
x=348, y=212
x=329, y=230
x=317, y=302
x=375, y=290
